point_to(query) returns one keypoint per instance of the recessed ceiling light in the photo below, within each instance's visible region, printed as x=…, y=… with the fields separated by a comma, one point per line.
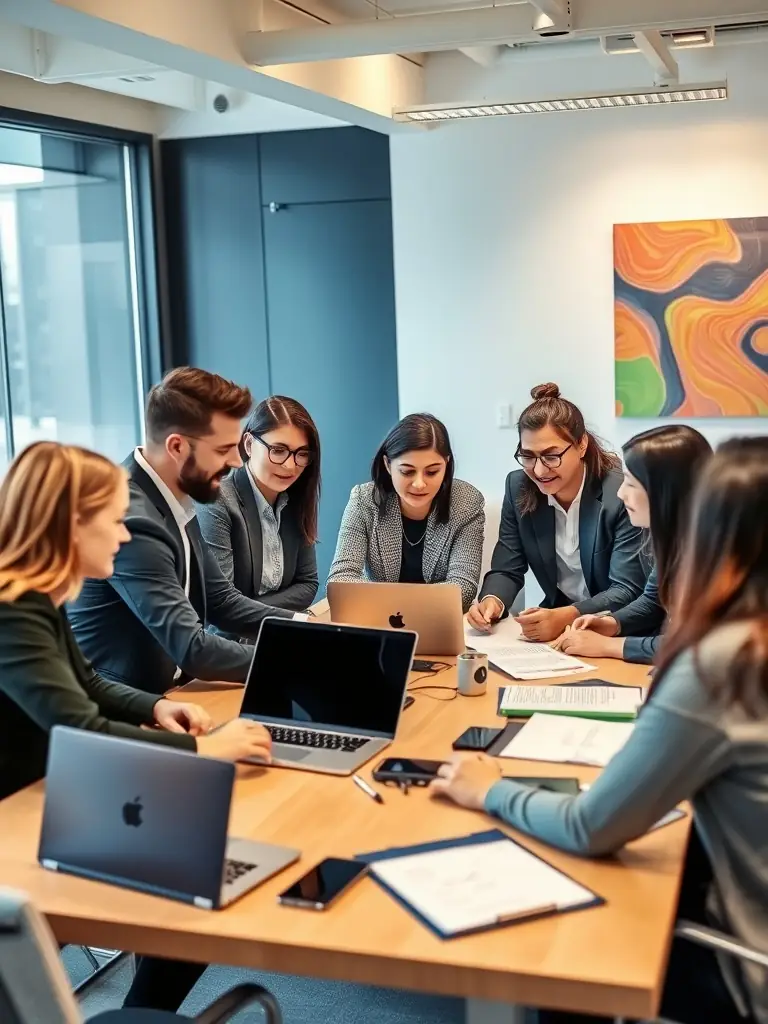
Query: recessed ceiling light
x=655, y=96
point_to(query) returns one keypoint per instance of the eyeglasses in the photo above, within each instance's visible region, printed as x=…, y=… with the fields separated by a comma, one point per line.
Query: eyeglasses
x=551, y=459
x=280, y=453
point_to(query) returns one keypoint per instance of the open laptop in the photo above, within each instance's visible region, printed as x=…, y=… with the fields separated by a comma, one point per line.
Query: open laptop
x=330, y=695
x=434, y=611
x=148, y=817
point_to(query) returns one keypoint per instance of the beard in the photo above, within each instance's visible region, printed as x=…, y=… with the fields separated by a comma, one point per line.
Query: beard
x=198, y=485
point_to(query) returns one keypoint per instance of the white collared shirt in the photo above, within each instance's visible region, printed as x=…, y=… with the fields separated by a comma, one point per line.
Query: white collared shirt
x=272, y=565
x=570, y=575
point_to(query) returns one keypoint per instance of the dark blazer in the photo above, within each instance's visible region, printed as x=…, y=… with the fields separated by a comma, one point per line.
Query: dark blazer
x=641, y=623
x=609, y=546
x=370, y=543
x=139, y=625
x=231, y=527
x=46, y=681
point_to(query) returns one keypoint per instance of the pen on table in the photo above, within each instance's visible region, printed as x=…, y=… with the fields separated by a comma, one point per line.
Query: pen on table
x=369, y=790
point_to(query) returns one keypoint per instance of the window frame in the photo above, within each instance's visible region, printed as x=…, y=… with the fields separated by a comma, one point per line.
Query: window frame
x=154, y=338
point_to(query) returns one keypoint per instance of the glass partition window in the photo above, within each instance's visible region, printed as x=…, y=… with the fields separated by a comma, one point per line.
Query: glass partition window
x=70, y=345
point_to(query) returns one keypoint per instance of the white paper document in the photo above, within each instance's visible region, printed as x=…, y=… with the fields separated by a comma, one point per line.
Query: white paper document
x=520, y=658
x=462, y=888
x=564, y=740
x=573, y=700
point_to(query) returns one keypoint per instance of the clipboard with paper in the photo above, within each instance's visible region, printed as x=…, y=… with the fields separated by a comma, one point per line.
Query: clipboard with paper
x=474, y=883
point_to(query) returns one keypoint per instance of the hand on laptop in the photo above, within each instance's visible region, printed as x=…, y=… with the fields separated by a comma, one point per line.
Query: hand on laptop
x=238, y=740
x=483, y=615
x=177, y=717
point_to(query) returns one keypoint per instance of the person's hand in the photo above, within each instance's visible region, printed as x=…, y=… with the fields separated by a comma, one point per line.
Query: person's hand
x=545, y=624
x=466, y=779
x=484, y=614
x=177, y=717
x=237, y=741
x=586, y=643
x=605, y=625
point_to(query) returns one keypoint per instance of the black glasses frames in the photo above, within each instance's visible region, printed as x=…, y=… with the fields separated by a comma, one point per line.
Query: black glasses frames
x=551, y=460
x=280, y=453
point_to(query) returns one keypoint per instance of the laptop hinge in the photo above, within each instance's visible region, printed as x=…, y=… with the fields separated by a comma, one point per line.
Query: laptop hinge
x=203, y=903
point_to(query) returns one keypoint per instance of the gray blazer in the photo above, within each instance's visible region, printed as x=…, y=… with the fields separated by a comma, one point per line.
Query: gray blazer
x=609, y=547
x=641, y=623
x=139, y=625
x=231, y=527
x=370, y=544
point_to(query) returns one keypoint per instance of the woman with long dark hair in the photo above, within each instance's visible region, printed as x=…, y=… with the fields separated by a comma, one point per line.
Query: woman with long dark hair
x=661, y=467
x=414, y=522
x=702, y=736
x=562, y=519
x=262, y=528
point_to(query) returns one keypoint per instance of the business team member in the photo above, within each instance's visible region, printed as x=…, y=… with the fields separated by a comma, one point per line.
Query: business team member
x=701, y=736
x=414, y=522
x=661, y=467
x=145, y=624
x=562, y=518
x=61, y=519
x=262, y=528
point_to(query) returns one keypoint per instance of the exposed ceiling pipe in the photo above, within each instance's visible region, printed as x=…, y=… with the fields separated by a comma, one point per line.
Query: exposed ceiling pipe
x=487, y=56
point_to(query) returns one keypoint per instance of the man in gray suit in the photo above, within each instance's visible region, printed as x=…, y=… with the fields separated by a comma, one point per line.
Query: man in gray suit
x=145, y=626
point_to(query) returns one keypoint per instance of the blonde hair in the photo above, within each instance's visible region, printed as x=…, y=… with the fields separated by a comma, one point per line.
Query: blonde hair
x=46, y=487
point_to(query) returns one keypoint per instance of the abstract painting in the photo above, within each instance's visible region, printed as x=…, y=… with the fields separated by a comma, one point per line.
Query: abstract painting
x=691, y=318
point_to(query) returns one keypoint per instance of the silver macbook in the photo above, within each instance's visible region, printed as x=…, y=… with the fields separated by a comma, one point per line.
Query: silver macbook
x=330, y=695
x=434, y=611
x=148, y=817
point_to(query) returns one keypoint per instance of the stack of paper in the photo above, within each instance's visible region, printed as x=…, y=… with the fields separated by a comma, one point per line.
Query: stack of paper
x=564, y=740
x=520, y=658
x=608, y=703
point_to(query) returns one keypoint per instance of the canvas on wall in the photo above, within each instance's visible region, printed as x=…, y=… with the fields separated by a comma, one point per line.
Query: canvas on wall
x=691, y=318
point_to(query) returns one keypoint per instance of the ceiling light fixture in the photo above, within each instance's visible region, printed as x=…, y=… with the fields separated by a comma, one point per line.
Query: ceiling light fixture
x=650, y=97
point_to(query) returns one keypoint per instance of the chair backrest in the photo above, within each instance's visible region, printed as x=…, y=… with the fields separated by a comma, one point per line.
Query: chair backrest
x=33, y=983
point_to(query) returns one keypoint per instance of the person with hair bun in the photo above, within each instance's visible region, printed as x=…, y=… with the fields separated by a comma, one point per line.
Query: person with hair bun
x=562, y=519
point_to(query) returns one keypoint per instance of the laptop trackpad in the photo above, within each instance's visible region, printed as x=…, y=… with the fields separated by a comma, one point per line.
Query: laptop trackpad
x=285, y=752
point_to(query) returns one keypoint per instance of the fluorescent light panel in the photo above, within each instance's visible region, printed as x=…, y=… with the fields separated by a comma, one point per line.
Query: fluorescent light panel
x=658, y=96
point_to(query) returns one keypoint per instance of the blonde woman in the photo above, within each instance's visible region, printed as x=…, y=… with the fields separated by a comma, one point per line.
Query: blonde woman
x=61, y=520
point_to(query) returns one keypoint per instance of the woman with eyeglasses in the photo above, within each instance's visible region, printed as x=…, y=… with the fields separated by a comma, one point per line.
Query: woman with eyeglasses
x=562, y=519
x=414, y=522
x=262, y=528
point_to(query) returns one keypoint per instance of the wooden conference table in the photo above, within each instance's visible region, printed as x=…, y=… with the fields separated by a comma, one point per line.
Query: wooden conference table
x=609, y=959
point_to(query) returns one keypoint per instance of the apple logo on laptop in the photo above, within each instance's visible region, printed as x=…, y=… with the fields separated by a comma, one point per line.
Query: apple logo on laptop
x=132, y=812
x=396, y=621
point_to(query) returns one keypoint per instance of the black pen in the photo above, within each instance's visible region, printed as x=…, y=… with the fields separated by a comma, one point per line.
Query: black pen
x=369, y=790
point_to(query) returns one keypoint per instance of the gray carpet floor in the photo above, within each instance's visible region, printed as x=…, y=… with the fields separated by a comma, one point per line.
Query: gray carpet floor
x=303, y=1000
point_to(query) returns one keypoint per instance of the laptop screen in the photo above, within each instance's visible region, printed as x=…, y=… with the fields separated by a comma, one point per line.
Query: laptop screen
x=319, y=673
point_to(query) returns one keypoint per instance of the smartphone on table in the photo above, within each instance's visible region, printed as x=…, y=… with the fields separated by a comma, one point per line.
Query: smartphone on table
x=477, y=737
x=414, y=771
x=323, y=883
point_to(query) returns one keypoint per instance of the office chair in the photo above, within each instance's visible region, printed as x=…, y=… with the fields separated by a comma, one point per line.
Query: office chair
x=34, y=985
x=720, y=943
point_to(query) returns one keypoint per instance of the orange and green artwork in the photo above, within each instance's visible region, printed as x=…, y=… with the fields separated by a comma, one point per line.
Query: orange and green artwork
x=691, y=317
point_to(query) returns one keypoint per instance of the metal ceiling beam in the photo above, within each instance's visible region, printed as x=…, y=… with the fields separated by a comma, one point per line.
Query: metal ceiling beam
x=488, y=26
x=655, y=50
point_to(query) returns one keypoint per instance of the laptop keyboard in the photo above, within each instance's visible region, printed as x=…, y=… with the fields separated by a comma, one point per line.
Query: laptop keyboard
x=234, y=869
x=318, y=740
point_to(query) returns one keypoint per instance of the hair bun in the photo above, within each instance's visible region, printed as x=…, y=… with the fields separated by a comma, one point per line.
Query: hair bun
x=545, y=391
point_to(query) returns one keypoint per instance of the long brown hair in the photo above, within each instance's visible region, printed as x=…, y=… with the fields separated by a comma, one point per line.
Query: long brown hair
x=46, y=487
x=549, y=409
x=278, y=411
x=724, y=573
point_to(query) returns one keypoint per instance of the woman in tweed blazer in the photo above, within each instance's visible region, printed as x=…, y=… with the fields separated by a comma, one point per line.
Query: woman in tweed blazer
x=413, y=523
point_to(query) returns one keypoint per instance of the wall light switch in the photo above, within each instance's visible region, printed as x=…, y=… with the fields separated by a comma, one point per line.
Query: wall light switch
x=504, y=416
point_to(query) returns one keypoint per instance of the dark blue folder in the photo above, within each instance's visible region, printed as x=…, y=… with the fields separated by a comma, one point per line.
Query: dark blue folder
x=474, y=839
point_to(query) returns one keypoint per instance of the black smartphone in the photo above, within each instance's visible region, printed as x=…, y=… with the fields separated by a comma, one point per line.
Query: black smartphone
x=477, y=737
x=570, y=786
x=406, y=769
x=322, y=883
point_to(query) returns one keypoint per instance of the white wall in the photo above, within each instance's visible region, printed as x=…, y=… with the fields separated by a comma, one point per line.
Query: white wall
x=503, y=235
